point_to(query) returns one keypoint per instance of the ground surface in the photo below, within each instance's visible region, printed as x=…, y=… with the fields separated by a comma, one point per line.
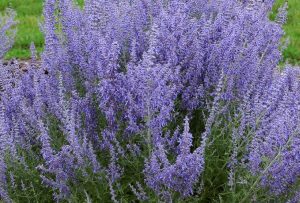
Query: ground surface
x=29, y=16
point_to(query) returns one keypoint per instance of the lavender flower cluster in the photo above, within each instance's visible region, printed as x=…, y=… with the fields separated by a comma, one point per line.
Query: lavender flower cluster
x=117, y=76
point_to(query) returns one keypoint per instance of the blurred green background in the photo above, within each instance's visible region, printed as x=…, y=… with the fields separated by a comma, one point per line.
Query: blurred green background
x=29, y=14
x=29, y=17
x=292, y=29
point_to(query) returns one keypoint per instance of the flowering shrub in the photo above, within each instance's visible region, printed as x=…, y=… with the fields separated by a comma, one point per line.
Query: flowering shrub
x=146, y=100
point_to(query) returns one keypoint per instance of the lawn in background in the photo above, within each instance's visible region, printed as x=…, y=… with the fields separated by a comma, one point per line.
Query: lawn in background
x=29, y=15
x=292, y=29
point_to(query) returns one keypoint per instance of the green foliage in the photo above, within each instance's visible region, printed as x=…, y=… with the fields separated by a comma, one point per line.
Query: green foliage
x=57, y=137
x=91, y=187
x=26, y=184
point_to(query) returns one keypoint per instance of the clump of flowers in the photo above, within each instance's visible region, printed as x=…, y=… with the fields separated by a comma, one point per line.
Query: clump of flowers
x=163, y=176
x=97, y=121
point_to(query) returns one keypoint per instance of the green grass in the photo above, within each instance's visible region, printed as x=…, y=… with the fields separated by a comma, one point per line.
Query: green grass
x=292, y=29
x=29, y=15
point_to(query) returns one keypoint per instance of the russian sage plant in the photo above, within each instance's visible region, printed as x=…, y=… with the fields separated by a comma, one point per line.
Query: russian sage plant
x=142, y=100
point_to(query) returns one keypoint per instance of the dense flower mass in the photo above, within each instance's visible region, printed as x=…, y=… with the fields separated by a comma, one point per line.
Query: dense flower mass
x=276, y=140
x=142, y=100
